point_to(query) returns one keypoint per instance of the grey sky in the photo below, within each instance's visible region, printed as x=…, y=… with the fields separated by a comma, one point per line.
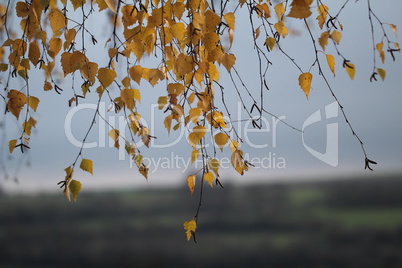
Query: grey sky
x=373, y=109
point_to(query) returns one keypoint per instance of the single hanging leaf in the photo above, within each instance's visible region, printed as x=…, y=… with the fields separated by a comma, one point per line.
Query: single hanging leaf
x=11, y=145
x=228, y=60
x=382, y=73
x=190, y=227
x=34, y=53
x=336, y=36
x=16, y=100
x=351, y=70
x=323, y=40
x=379, y=47
x=143, y=169
x=57, y=20
x=110, y=5
x=221, y=139
x=87, y=165
x=230, y=20
x=75, y=188
x=305, y=82
x=162, y=101
x=322, y=15
x=209, y=178
x=194, y=155
x=33, y=102
x=106, y=76
x=191, y=183
x=279, y=10
x=300, y=9
x=214, y=165
x=281, y=29
x=270, y=43
x=331, y=63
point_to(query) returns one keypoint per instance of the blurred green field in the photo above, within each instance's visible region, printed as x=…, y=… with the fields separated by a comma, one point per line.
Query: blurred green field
x=336, y=223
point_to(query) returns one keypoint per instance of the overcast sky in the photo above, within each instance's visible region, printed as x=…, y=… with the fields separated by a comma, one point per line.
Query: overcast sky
x=373, y=109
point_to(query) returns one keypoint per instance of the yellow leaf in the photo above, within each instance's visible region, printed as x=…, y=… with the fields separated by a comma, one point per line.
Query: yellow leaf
x=336, y=36
x=194, y=155
x=230, y=20
x=280, y=10
x=77, y=3
x=221, y=139
x=57, y=20
x=210, y=40
x=168, y=122
x=178, y=31
x=228, y=60
x=34, y=53
x=162, y=101
x=379, y=47
x=322, y=15
x=238, y=162
x=234, y=145
x=194, y=114
x=190, y=227
x=47, y=86
x=129, y=96
x=111, y=6
x=281, y=29
x=270, y=43
x=191, y=183
x=323, y=40
x=75, y=188
x=305, y=82
x=87, y=165
x=351, y=70
x=175, y=89
x=257, y=32
x=331, y=63
x=143, y=169
x=209, y=178
x=69, y=173
x=67, y=194
x=114, y=134
x=11, y=145
x=382, y=73
x=213, y=164
x=300, y=9
x=22, y=9
x=55, y=46
x=213, y=72
x=393, y=28
x=33, y=102
x=27, y=125
x=69, y=36
x=136, y=73
x=16, y=100
x=106, y=76
x=199, y=131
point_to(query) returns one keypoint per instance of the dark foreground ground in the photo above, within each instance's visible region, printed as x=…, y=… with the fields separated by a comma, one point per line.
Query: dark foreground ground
x=354, y=223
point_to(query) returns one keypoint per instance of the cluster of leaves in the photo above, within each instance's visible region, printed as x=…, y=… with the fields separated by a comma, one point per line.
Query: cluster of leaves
x=192, y=39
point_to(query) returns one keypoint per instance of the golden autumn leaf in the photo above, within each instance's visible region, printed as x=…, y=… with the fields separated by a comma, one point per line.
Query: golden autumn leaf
x=382, y=73
x=106, y=76
x=143, y=169
x=380, y=50
x=228, y=60
x=55, y=46
x=351, y=70
x=22, y=9
x=281, y=29
x=162, y=101
x=336, y=36
x=34, y=53
x=11, y=145
x=323, y=40
x=57, y=20
x=129, y=95
x=213, y=164
x=27, y=125
x=331, y=63
x=279, y=10
x=322, y=15
x=234, y=145
x=305, y=82
x=86, y=165
x=221, y=139
x=199, y=132
x=300, y=9
x=16, y=100
x=209, y=178
x=191, y=183
x=110, y=4
x=190, y=227
x=168, y=122
x=136, y=73
x=270, y=43
x=33, y=102
x=75, y=188
x=230, y=20
x=194, y=155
